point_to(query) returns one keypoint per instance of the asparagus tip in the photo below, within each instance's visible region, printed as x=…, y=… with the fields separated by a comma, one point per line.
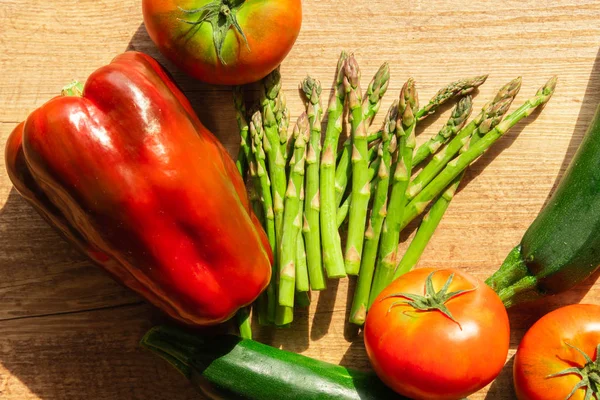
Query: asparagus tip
x=549, y=87
x=302, y=127
x=409, y=102
x=311, y=88
x=272, y=83
x=256, y=119
x=468, y=85
x=383, y=73
x=342, y=59
x=351, y=72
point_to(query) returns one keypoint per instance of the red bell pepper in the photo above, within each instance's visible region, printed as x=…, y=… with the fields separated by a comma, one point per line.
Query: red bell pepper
x=127, y=173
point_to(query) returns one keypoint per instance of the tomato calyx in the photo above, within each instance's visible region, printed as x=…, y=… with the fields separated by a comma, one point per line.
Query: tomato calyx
x=589, y=374
x=221, y=15
x=432, y=300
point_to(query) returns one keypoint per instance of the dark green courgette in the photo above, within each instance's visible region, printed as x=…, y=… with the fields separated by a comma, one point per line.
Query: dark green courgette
x=228, y=367
x=562, y=246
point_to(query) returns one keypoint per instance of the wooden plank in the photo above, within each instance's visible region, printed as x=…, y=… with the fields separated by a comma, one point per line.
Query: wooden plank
x=48, y=353
x=90, y=355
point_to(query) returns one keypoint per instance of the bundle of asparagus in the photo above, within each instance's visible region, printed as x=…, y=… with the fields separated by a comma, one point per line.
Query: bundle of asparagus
x=303, y=189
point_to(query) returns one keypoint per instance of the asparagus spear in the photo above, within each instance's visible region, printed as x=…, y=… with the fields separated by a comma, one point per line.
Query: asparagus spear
x=258, y=164
x=344, y=208
x=342, y=176
x=302, y=280
x=458, y=88
x=375, y=92
x=390, y=235
x=243, y=319
x=431, y=221
x=456, y=166
x=292, y=215
x=378, y=213
x=457, y=120
x=489, y=117
x=311, y=228
x=461, y=87
x=333, y=258
x=271, y=86
x=282, y=117
x=240, y=115
x=370, y=106
x=360, y=164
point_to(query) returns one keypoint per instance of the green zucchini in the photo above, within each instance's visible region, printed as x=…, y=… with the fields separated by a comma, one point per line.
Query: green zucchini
x=561, y=248
x=228, y=367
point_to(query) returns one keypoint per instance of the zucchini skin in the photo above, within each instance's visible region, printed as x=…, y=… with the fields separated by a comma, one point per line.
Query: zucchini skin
x=228, y=367
x=561, y=248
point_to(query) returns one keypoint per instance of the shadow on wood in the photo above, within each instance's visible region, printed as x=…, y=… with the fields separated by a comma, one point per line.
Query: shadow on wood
x=589, y=103
x=324, y=312
x=502, y=387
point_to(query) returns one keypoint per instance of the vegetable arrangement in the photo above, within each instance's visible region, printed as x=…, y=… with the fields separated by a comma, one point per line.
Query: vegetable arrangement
x=316, y=207
x=370, y=172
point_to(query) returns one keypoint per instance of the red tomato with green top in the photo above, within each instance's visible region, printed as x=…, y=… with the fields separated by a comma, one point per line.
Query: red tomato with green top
x=558, y=356
x=437, y=334
x=228, y=42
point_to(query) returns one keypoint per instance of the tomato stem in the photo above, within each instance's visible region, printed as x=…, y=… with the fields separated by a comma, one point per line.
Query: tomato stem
x=221, y=15
x=432, y=300
x=589, y=374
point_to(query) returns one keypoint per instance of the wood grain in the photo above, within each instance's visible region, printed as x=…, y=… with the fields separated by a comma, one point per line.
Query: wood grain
x=67, y=331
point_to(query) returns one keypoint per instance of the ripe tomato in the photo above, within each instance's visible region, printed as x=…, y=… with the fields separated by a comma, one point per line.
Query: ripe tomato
x=228, y=42
x=422, y=352
x=552, y=352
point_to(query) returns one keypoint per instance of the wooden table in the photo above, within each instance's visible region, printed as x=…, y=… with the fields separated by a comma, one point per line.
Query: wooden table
x=67, y=331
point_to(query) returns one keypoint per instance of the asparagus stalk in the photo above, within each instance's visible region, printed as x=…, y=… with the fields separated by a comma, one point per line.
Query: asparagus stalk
x=457, y=120
x=282, y=117
x=456, y=166
x=333, y=258
x=292, y=216
x=284, y=316
x=343, y=176
x=303, y=299
x=489, y=117
x=390, y=235
x=311, y=228
x=302, y=278
x=431, y=221
x=243, y=319
x=302, y=281
x=360, y=164
x=344, y=208
x=240, y=115
x=271, y=86
x=378, y=212
x=258, y=164
x=458, y=88
x=370, y=106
